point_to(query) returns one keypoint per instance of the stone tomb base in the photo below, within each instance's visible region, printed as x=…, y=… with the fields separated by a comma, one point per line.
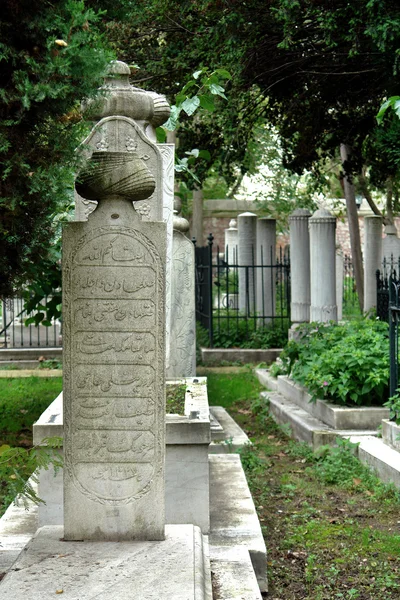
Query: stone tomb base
x=174, y=569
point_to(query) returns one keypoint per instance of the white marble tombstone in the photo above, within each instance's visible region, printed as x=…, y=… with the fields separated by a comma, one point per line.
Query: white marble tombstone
x=182, y=353
x=114, y=331
x=300, y=266
x=231, y=243
x=266, y=257
x=339, y=281
x=322, y=226
x=372, y=258
x=247, y=249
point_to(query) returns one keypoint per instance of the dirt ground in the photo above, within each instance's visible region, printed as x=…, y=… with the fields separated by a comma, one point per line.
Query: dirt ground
x=324, y=542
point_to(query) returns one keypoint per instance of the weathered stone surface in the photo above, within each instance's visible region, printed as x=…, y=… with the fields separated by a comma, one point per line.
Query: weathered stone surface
x=231, y=243
x=175, y=569
x=300, y=265
x=247, y=224
x=391, y=434
x=186, y=463
x=168, y=156
x=372, y=258
x=113, y=298
x=182, y=354
x=266, y=244
x=337, y=417
x=339, y=281
x=322, y=227
x=234, y=520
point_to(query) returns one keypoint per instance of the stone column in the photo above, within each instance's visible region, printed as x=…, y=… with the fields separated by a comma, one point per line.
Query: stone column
x=182, y=355
x=265, y=260
x=168, y=158
x=197, y=216
x=114, y=328
x=322, y=266
x=231, y=243
x=372, y=258
x=339, y=281
x=300, y=266
x=247, y=250
x=391, y=247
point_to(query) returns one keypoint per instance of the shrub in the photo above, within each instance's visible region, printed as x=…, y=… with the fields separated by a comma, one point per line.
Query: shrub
x=242, y=332
x=347, y=364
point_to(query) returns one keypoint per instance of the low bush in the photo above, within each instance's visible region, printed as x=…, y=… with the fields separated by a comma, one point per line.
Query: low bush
x=347, y=364
x=231, y=331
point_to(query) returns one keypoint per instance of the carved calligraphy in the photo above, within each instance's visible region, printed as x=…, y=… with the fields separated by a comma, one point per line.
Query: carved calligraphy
x=114, y=292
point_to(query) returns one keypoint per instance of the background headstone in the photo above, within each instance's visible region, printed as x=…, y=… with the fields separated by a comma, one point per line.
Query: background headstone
x=300, y=266
x=372, y=258
x=266, y=255
x=247, y=249
x=231, y=243
x=323, y=266
x=339, y=281
x=182, y=353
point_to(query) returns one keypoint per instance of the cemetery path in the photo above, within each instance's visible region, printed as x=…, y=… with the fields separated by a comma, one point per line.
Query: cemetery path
x=332, y=530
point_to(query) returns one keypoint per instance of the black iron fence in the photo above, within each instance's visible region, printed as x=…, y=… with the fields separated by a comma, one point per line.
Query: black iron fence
x=351, y=306
x=238, y=304
x=14, y=333
x=390, y=270
x=394, y=325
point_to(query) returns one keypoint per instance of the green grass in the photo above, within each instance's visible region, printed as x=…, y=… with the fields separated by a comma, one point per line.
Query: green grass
x=331, y=527
x=175, y=399
x=22, y=401
x=224, y=390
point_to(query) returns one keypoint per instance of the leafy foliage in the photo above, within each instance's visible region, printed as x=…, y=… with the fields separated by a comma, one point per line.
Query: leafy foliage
x=51, y=56
x=345, y=364
x=242, y=332
x=18, y=470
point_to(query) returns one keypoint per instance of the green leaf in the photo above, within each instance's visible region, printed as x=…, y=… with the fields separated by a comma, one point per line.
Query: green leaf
x=205, y=154
x=191, y=105
x=195, y=152
x=197, y=74
x=217, y=90
x=207, y=102
x=223, y=73
x=187, y=87
x=161, y=135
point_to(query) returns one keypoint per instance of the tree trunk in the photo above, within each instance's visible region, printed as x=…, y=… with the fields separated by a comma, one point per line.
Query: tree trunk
x=352, y=217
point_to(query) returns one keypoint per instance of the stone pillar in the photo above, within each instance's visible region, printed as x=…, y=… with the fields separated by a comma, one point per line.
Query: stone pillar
x=339, y=281
x=231, y=243
x=391, y=248
x=247, y=249
x=114, y=328
x=182, y=355
x=168, y=158
x=322, y=266
x=300, y=266
x=372, y=258
x=266, y=255
x=197, y=217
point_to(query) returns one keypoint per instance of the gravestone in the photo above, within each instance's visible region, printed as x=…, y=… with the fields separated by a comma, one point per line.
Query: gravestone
x=265, y=258
x=300, y=266
x=182, y=352
x=231, y=243
x=372, y=258
x=114, y=330
x=322, y=226
x=247, y=224
x=339, y=281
